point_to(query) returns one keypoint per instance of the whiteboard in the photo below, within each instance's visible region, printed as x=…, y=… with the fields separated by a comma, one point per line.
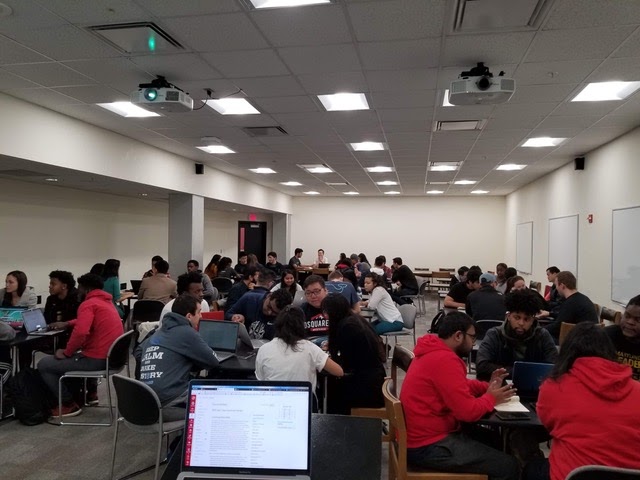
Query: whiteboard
x=524, y=247
x=563, y=243
x=625, y=255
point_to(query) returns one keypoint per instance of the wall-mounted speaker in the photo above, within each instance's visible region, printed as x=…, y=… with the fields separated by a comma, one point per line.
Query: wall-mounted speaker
x=579, y=163
x=199, y=168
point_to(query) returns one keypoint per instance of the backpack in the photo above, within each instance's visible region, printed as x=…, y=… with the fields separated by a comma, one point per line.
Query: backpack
x=32, y=399
x=437, y=321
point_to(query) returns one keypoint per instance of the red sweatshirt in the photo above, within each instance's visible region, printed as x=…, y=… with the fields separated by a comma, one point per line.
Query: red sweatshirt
x=96, y=328
x=592, y=415
x=436, y=394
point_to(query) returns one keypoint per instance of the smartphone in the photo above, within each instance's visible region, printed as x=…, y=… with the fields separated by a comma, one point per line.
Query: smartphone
x=513, y=415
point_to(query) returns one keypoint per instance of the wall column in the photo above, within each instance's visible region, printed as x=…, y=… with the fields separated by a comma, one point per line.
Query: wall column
x=186, y=230
x=281, y=236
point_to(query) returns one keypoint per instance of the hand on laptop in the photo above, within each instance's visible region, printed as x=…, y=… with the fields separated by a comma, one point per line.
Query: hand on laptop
x=237, y=318
x=499, y=374
x=499, y=393
x=58, y=325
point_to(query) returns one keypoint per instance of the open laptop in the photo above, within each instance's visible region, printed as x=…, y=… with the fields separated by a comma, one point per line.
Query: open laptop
x=222, y=337
x=324, y=265
x=12, y=316
x=244, y=337
x=246, y=430
x=35, y=324
x=135, y=286
x=527, y=378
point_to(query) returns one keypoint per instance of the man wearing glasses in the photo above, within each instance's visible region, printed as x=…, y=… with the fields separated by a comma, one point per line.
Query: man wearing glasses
x=258, y=310
x=626, y=336
x=315, y=325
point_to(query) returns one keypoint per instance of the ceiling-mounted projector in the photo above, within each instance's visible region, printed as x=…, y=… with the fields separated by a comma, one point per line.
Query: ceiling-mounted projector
x=478, y=86
x=160, y=96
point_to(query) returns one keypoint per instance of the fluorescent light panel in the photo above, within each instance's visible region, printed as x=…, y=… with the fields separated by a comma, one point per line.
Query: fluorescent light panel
x=262, y=170
x=457, y=125
x=285, y=3
x=510, y=166
x=344, y=101
x=392, y=192
x=312, y=192
x=435, y=192
x=479, y=192
x=444, y=166
x=233, y=106
x=351, y=193
x=386, y=182
x=603, y=91
x=127, y=109
x=379, y=169
x=464, y=182
x=543, y=142
x=337, y=184
x=368, y=146
x=216, y=149
x=291, y=184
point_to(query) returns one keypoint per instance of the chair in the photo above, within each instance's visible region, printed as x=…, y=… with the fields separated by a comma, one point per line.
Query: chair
x=223, y=285
x=216, y=315
x=535, y=286
x=409, y=313
x=452, y=270
x=5, y=374
x=139, y=408
x=398, y=469
x=482, y=327
x=146, y=311
x=418, y=298
x=611, y=315
x=117, y=359
x=441, y=281
x=600, y=472
x=565, y=328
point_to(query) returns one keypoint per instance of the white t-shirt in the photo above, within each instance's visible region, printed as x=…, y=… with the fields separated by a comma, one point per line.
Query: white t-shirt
x=277, y=361
x=385, y=309
x=204, y=307
x=145, y=327
x=278, y=286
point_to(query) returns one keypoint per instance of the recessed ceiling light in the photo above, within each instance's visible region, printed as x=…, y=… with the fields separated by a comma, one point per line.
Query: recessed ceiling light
x=444, y=166
x=438, y=183
x=344, y=101
x=337, y=184
x=320, y=168
x=379, y=169
x=435, y=192
x=216, y=149
x=510, y=166
x=52, y=179
x=351, y=193
x=445, y=100
x=457, y=125
x=312, y=192
x=233, y=106
x=367, y=146
x=543, y=142
x=603, y=91
x=262, y=170
x=464, y=182
x=387, y=182
x=392, y=192
x=291, y=184
x=285, y=3
x=479, y=192
x=144, y=194
x=127, y=109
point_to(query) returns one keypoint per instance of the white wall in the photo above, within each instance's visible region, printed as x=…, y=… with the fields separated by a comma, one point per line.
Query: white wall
x=425, y=232
x=609, y=181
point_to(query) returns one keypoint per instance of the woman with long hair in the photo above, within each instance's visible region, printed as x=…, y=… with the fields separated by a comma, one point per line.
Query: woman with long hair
x=386, y=316
x=358, y=349
x=16, y=293
x=226, y=270
x=211, y=270
x=289, y=282
x=112, y=282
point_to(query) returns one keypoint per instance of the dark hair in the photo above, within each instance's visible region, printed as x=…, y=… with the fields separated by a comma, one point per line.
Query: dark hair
x=321, y=250
x=503, y=265
x=224, y=263
x=97, y=269
x=289, y=326
x=397, y=260
x=343, y=256
x=454, y=322
x=379, y=261
x=568, y=279
x=511, y=282
x=292, y=289
x=510, y=273
x=214, y=261
x=155, y=259
x=21, y=278
x=281, y=297
x=272, y=254
x=250, y=271
x=187, y=279
x=91, y=281
x=111, y=268
x=473, y=275
x=266, y=277
x=64, y=277
x=252, y=260
x=195, y=262
x=241, y=254
x=377, y=280
x=363, y=258
x=523, y=301
x=185, y=304
x=162, y=266
x=634, y=301
x=297, y=251
x=462, y=270
x=350, y=275
x=553, y=269
x=475, y=267
x=311, y=279
x=586, y=339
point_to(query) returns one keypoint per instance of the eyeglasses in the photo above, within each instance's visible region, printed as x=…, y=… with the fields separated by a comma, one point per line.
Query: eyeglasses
x=313, y=293
x=472, y=335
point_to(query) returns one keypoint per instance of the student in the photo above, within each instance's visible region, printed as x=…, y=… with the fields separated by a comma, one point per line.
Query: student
x=241, y=287
x=576, y=307
x=336, y=284
x=289, y=356
x=405, y=279
x=457, y=296
x=63, y=302
x=461, y=276
x=211, y=270
x=210, y=292
x=274, y=265
x=112, y=282
x=190, y=283
x=16, y=293
x=386, y=317
x=486, y=303
x=626, y=336
x=225, y=270
x=158, y=286
x=241, y=266
x=517, y=283
x=316, y=325
x=589, y=405
x=257, y=310
x=289, y=282
x=148, y=273
x=321, y=258
x=294, y=262
x=438, y=400
x=501, y=280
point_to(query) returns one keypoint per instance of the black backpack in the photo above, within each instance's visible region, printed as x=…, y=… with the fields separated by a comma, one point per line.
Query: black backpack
x=437, y=321
x=32, y=399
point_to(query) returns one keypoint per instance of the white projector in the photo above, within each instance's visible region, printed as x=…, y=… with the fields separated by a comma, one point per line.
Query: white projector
x=161, y=100
x=482, y=90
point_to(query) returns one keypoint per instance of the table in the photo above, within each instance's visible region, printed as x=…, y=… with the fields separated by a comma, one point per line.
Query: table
x=22, y=338
x=243, y=365
x=491, y=419
x=342, y=448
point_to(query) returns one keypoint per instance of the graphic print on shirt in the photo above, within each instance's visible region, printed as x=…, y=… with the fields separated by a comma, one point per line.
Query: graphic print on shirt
x=148, y=366
x=316, y=325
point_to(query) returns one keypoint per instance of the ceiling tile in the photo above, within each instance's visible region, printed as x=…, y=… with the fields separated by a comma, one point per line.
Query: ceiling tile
x=93, y=94
x=617, y=69
x=490, y=49
x=9, y=80
x=13, y=52
x=286, y=104
x=592, y=13
x=111, y=70
x=402, y=99
x=171, y=8
x=541, y=93
x=50, y=74
x=324, y=83
x=269, y=86
x=42, y=96
x=416, y=79
x=321, y=59
x=176, y=67
x=554, y=72
x=79, y=11
x=247, y=63
x=400, y=54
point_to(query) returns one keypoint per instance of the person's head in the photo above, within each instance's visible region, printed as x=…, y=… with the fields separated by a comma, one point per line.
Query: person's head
x=289, y=326
x=189, y=307
x=476, y=268
x=191, y=283
x=462, y=273
x=60, y=283
x=89, y=282
x=243, y=258
x=566, y=283
x=586, y=339
x=215, y=259
x=630, y=321
x=272, y=258
x=162, y=266
x=250, y=274
x=343, y=256
x=155, y=260
x=372, y=280
x=15, y=283
x=522, y=307
x=515, y=283
x=500, y=269
x=397, y=261
x=298, y=252
x=320, y=253
x=336, y=276
x=362, y=258
x=97, y=269
x=488, y=279
x=379, y=261
x=354, y=258
x=252, y=259
x=224, y=263
x=458, y=332
x=274, y=302
x=473, y=279
x=265, y=278
x=335, y=308
x=192, y=266
x=510, y=273
x=314, y=290
x=111, y=268
x=289, y=278
x=552, y=273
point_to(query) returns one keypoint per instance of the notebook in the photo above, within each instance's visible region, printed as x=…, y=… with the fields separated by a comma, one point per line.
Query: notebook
x=527, y=378
x=222, y=337
x=243, y=429
x=35, y=324
x=12, y=316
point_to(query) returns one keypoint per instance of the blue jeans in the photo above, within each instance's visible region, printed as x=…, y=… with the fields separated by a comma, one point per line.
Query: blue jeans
x=385, y=327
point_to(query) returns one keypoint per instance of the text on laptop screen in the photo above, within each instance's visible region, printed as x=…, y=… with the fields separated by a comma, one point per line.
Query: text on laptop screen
x=252, y=427
x=219, y=335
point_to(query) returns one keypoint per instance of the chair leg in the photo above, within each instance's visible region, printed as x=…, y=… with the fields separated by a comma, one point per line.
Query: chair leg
x=159, y=451
x=113, y=450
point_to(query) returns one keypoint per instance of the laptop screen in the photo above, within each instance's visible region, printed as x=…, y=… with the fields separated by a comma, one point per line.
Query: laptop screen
x=12, y=316
x=248, y=427
x=33, y=320
x=220, y=336
x=528, y=376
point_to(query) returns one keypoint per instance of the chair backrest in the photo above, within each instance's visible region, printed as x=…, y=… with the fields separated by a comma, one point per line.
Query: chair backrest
x=397, y=430
x=119, y=351
x=408, y=312
x=547, y=289
x=600, y=472
x=597, y=307
x=611, y=315
x=402, y=358
x=147, y=311
x=441, y=275
x=565, y=328
x=483, y=326
x=223, y=284
x=447, y=270
x=215, y=315
x=137, y=403
x=535, y=286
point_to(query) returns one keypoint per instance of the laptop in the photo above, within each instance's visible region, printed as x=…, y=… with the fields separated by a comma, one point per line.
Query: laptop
x=247, y=430
x=244, y=337
x=222, y=337
x=12, y=316
x=135, y=286
x=35, y=324
x=324, y=265
x=527, y=378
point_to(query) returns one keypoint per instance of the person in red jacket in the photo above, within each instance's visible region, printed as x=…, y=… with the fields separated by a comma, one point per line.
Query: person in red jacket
x=437, y=396
x=98, y=325
x=590, y=406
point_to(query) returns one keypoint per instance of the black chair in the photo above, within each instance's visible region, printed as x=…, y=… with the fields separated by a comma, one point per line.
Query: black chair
x=139, y=408
x=223, y=285
x=599, y=472
x=146, y=311
x=482, y=327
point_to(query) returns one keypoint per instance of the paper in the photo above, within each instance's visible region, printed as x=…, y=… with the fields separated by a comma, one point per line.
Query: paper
x=513, y=405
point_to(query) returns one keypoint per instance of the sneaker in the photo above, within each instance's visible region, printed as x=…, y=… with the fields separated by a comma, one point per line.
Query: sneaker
x=92, y=399
x=70, y=410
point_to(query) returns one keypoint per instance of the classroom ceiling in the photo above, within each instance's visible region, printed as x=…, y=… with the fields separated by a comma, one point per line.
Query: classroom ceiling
x=402, y=54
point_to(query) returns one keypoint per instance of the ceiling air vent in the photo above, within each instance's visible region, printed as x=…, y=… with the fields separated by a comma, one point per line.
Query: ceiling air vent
x=265, y=131
x=137, y=37
x=499, y=15
x=458, y=125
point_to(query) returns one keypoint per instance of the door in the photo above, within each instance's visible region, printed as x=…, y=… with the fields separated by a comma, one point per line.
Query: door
x=252, y=238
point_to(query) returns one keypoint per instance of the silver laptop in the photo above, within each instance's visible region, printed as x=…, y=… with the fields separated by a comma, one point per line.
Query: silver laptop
x=247, y=430
x=35, y=324
x=222, y=337
x=244, y=337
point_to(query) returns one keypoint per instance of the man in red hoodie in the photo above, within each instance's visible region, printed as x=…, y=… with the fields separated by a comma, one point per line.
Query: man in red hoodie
x=98, y=325
x=437, y=396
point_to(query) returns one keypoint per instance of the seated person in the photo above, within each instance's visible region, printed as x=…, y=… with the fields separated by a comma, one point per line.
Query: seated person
x=16, y=293
x=63, y=302
x=461, y=276
x=294, y=262
x=589, y=405
x=553, y=298
x=359, y=351
x=337, y=284
x=225, y=270
x=211, y=270
x=486, y=303
x=167, y=358
x=289, y=282
x=241, y=266
x=321, y=258
x=257, y=310
x=405, y=280
x=158, y=286
x=517, y=283
x=438, y=398
x=626, y=336
x=241, y=287
x=146, y=274
x=315, y=324
x=501, y=279
x=264, y=279
x=457, y=296
x=289, y=356
x=98, y=325
x=274, y=265
x=112, y=283
x=386, y=316
x=210, y=292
